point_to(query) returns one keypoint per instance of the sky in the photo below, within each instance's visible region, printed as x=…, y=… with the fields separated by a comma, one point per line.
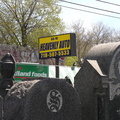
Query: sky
x=70, y=16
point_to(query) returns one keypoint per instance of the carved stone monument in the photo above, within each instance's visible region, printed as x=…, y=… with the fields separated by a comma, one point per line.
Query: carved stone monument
x=98, y=83
x=45, y=99
x=14, y=103
x=52, y=99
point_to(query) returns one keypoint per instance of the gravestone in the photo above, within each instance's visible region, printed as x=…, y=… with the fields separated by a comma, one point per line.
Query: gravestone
x=98, y=83
x=14, y=103
x=42, y=99
x=52, y=99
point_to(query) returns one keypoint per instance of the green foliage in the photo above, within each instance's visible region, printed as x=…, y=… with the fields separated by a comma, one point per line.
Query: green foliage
x=22, y=22
x=71, y=60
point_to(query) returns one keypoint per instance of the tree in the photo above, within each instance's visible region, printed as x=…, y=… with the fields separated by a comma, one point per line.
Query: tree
x=23, y=21
x=70, y=61
x=101, y=33
x=116, y=35
x=86, y=39
x=83, y=41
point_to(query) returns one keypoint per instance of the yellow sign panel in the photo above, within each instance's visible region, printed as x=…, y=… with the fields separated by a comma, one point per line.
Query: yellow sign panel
x=55, y=46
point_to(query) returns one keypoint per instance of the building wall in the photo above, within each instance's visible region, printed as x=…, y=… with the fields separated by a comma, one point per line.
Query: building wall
x=25, y=54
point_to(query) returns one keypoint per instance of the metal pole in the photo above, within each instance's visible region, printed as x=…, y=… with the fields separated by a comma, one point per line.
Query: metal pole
x=57, y=67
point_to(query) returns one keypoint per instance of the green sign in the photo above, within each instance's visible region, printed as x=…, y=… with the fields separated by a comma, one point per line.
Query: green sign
x=30, y=71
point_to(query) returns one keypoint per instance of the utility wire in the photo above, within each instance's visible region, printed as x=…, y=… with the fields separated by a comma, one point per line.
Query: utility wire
x=90, y=12
x=89, y=7
x=108, y=2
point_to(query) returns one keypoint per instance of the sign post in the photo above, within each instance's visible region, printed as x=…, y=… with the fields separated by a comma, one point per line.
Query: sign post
x=57, y=46
x=57, y=67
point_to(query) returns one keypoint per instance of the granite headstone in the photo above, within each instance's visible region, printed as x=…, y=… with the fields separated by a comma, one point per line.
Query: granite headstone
x=98, y=83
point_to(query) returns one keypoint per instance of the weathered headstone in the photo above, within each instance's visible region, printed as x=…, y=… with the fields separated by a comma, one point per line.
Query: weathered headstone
x=15, y=100
x=46, y=99
x=52, y=99
x=98, y=83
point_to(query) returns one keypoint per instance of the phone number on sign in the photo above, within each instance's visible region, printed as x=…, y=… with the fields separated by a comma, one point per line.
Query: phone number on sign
x=55, y=54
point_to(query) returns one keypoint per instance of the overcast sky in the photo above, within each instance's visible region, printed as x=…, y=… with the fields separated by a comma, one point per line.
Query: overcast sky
x=71, y=15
